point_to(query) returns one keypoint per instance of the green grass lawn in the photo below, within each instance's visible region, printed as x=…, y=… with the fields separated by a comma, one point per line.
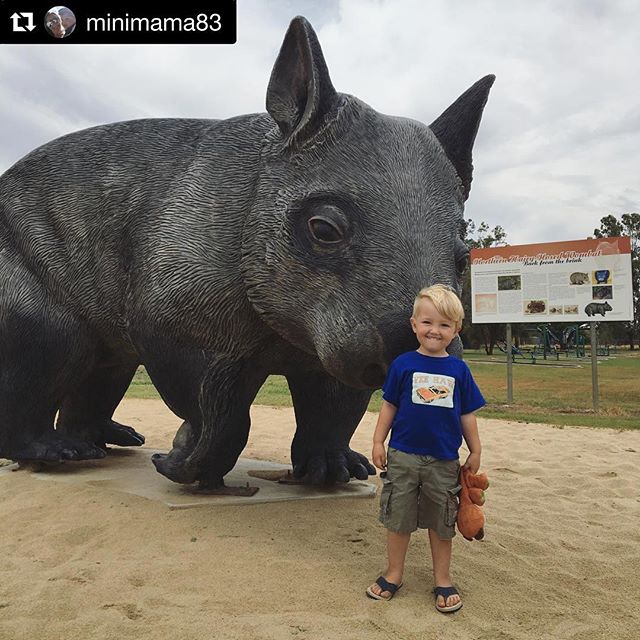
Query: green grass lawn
x=542, y=392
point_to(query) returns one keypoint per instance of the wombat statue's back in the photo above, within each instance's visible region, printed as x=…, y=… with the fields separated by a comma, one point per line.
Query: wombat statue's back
x=217, y=253
x=86, y=212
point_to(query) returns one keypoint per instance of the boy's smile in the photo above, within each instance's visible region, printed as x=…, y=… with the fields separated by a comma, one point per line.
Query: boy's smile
x=434, y=331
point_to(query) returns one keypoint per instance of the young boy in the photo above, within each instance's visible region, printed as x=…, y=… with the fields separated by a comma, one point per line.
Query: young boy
x=428, y=402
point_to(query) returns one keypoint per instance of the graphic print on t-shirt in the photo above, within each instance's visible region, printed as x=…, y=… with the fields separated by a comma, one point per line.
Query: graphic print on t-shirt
x=436, y=390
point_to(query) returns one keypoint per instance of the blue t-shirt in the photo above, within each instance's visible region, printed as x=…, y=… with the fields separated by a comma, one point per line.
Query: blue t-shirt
x=431, y=394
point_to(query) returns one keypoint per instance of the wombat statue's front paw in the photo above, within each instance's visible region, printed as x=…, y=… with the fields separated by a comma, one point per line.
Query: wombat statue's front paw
x=332, y=466
x=100, y=432
x=54, y=447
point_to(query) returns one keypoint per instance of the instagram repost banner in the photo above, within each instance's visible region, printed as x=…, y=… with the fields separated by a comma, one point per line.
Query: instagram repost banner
x=118, y=22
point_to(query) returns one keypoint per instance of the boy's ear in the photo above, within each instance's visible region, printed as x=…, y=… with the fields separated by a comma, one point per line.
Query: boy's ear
x=413, y=323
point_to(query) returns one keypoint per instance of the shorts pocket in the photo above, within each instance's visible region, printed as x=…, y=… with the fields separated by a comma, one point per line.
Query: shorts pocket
x=451, y=507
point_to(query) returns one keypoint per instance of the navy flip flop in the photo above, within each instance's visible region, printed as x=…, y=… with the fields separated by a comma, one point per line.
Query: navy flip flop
x=445, y=592
x=385, y=585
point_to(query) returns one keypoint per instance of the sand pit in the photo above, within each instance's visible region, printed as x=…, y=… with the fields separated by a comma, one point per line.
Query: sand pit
x=561, y=558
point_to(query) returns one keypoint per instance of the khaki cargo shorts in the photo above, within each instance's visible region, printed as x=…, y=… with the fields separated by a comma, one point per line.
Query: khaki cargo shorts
x=419, y=492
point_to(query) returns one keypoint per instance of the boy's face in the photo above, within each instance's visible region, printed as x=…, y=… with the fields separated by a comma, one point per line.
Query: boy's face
x=434, y=331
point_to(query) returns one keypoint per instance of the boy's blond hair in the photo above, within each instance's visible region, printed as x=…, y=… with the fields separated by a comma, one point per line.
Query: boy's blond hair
x=445, y=301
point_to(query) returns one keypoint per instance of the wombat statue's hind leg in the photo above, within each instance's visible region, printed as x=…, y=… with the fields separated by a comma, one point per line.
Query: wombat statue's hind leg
x=327, y=414
x=42, y=350
x=86, y=412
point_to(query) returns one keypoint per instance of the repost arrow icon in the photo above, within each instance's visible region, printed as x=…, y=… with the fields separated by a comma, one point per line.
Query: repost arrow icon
x=30, y=25
x=17, y=17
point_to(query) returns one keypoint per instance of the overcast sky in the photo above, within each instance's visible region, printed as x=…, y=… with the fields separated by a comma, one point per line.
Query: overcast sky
x=558, y=146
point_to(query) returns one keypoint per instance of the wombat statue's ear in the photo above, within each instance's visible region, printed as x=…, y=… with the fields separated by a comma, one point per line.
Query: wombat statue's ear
x=457, y=127
x=300, y=92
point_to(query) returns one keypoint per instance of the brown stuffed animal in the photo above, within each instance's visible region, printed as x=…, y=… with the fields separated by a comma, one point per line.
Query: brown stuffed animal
x=470, y=519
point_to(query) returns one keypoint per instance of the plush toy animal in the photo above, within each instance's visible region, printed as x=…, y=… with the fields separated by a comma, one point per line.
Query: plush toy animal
x=470, y=519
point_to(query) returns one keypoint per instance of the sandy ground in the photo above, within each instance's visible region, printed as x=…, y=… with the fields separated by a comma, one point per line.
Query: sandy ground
x=561, y=558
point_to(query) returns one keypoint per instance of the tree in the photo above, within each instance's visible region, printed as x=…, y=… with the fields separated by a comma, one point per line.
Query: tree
x=480, y=237
x=627, y=225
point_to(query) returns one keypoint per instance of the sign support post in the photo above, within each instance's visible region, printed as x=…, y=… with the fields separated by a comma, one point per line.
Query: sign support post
x=509, y=366
x=594, y=367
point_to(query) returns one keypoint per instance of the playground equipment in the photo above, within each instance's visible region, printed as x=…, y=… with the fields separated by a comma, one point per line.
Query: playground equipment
x=569, y=342
x=527, y=355
x=549, y=344
x=573, y=339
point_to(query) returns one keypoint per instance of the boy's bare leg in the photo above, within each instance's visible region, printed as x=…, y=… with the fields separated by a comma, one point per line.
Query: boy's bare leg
x=397, y=545
x=441, y=556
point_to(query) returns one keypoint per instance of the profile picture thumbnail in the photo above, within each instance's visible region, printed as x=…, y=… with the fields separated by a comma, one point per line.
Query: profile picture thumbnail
x=60, y=22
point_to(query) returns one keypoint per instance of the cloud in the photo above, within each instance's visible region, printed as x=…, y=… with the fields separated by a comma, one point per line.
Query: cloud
x=557, y=148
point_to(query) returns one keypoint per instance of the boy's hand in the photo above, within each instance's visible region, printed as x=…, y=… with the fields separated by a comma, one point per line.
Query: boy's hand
x=379, y=455
x=472, y=463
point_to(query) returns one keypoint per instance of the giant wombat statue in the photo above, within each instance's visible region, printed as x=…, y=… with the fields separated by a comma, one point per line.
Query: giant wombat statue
x=217, y=252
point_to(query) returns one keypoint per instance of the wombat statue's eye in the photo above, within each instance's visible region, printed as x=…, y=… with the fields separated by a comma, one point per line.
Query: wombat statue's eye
x=324, y=230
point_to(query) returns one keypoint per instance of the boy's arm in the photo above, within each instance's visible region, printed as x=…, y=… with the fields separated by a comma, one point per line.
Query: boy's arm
x=383, y=426
x=472, y=438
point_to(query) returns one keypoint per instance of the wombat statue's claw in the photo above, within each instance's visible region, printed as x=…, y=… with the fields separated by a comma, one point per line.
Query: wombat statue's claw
x=121, y=435
x=54, y=447
x=361, y=467
x=335, y=466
